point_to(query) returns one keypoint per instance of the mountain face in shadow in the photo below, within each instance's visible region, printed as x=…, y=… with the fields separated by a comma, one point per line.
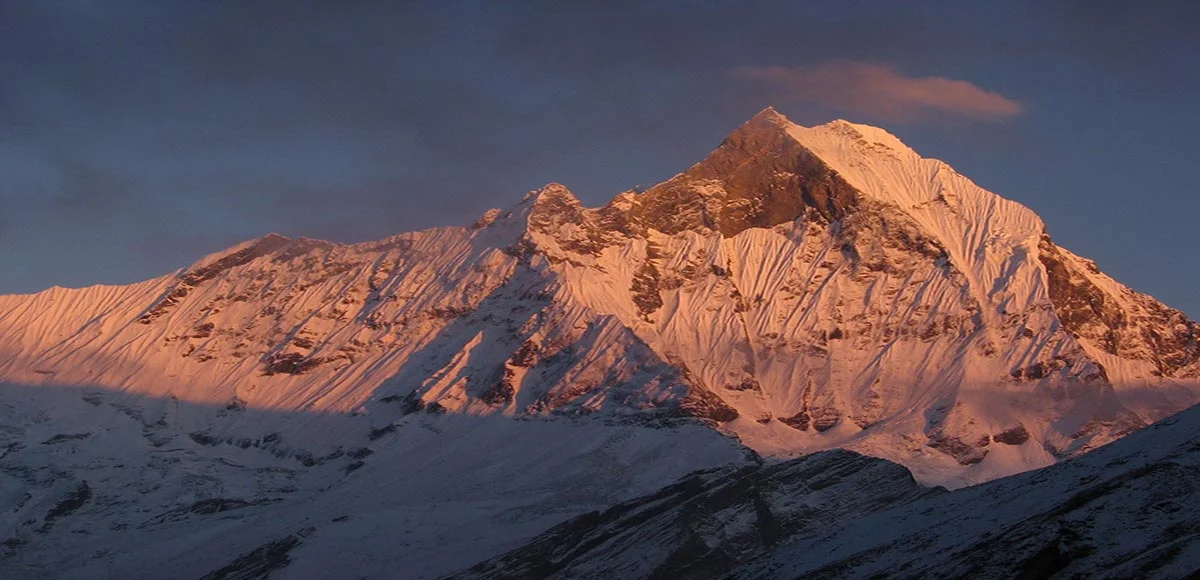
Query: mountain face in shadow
x=96, y=483
x=1128, y=510
x=709, y=522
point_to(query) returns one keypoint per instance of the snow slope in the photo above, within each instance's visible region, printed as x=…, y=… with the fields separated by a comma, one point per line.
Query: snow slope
x=799, y=289
x=96, y=484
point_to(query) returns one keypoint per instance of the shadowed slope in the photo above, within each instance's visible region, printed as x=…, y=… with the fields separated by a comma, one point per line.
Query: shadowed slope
x=710, y=522
x=95, y=483
x=1127, y=510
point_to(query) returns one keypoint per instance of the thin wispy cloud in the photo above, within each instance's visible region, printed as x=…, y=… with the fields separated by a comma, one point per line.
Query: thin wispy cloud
x=883, y=92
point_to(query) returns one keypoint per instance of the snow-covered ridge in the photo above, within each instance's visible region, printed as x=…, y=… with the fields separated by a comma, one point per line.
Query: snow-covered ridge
x=800, y=288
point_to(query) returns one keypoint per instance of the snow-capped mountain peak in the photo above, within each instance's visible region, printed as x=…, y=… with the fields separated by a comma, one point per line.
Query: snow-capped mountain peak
x=799, y=288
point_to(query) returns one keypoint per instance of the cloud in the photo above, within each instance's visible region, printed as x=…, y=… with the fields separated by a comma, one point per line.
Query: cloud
x=882, y=92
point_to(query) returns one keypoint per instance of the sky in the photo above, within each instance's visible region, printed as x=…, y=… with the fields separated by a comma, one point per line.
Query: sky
x=136, y=137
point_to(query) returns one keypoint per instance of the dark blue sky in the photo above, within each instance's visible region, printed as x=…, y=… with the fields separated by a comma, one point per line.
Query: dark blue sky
x=137, y=136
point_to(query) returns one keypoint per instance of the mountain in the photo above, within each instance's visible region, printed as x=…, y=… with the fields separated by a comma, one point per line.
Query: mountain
x=412, y=406
x=799, y=289
x=1128, y=510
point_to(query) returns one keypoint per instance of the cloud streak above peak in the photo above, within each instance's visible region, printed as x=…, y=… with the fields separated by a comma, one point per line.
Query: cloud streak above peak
x=883, y=92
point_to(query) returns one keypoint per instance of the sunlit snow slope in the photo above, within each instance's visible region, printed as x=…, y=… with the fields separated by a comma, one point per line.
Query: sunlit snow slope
x=800, y=288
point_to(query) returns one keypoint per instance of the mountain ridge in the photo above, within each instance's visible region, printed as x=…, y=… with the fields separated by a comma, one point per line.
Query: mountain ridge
x=799, y=288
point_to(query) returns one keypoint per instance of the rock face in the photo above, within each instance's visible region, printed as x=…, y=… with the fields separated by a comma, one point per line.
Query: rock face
x=1120, y=322
x=708, y=523
x=1128, y=510
x=800, y=288
x=758, y=178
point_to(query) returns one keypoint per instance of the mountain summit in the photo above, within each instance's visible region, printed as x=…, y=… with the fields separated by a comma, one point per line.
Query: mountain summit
x=759, y=177
x=799, y=288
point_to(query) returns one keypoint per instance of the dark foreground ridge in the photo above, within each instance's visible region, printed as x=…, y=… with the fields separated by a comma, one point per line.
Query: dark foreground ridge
x=1128, y=510
x=709, y=522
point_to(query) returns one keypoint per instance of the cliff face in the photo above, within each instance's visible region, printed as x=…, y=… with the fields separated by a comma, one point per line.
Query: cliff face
x=1117, y=320
x=759, y=177
x=800, y=288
